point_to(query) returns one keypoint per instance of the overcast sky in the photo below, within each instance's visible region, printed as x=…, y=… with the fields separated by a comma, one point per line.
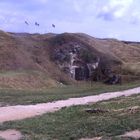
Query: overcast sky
x=100, y=18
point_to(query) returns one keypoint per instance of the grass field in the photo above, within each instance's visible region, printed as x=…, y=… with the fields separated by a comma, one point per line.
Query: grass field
x=14, y=97
x=74, y=123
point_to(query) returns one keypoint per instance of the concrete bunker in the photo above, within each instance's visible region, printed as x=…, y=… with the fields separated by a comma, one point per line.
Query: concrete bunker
x=77, y=61
x=80, y=73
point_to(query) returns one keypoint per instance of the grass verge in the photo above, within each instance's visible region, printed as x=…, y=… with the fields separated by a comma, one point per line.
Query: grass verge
x=14, y=97
x=74, y=123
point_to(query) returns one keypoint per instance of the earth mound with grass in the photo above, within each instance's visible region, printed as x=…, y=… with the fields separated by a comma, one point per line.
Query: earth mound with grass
x=50, y=60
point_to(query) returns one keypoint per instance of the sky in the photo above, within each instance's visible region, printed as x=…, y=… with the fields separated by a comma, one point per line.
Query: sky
x=118, y=19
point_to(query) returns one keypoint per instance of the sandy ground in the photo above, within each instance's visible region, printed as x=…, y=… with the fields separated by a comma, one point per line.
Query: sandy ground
x=96, y=138
x=10, y=135
x=132, y=134
x=19, y=112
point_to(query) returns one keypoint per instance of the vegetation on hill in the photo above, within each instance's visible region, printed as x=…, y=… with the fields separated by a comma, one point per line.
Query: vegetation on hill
x=34, y=52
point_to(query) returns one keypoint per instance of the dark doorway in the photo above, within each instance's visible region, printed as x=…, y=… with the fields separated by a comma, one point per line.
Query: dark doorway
x=79, y=74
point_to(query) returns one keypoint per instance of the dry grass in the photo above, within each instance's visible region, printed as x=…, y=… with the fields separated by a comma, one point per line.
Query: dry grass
x=132, y=68
x=32, y=52
x=26, y=80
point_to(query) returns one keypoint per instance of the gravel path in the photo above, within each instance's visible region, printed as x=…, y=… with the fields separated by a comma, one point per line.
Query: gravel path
x=19, y=112
x=10, y=135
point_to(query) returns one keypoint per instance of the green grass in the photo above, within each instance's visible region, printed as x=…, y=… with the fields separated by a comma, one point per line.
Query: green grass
x=74, y=123
x=13, y=97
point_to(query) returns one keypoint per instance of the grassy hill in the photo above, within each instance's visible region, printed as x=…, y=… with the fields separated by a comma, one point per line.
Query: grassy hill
x=28, y=60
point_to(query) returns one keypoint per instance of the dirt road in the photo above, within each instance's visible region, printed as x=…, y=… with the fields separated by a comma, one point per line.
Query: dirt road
x=19, y=112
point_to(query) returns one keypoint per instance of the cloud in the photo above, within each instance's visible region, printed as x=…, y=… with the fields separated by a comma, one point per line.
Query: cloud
x=79, y=5
x=88, y=16
x=135, y=17
x=82, y=6
x=115, y=9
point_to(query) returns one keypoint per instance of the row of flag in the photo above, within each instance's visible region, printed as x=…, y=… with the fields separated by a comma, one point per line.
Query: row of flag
x=37, y=24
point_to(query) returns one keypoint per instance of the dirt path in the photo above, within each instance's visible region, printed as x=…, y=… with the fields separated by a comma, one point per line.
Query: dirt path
x=10, y=135
x=132, y=134
x=18, y=112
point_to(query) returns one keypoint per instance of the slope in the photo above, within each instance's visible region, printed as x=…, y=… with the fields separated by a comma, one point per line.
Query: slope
x=37, y=55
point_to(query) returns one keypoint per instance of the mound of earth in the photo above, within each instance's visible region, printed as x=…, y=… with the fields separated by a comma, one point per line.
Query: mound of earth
x=65, y=58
